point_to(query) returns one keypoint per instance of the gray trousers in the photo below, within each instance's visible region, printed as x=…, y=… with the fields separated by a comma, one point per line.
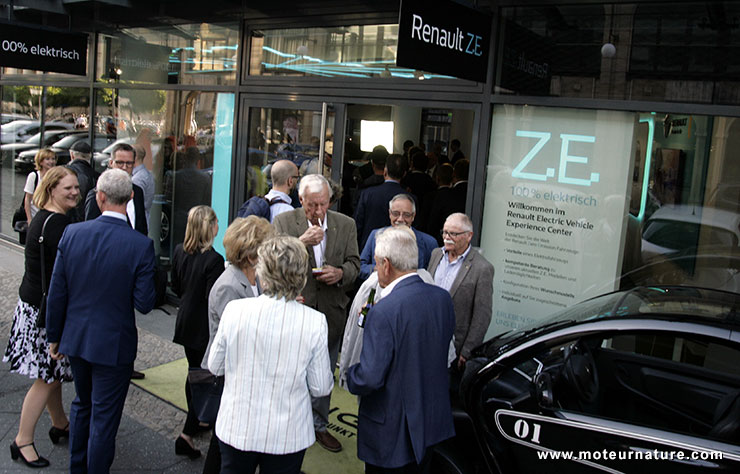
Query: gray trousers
x=320, y=405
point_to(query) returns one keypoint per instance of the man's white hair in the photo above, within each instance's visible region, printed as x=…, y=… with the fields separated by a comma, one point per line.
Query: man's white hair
x=116, y=185
x=398, y=247
x=313, y=183
x=462, y=220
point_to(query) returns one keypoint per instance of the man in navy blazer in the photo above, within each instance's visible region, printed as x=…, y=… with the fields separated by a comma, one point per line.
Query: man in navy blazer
x=103, y=271
x=401, y=211
x=371, y=209
x=402, y=375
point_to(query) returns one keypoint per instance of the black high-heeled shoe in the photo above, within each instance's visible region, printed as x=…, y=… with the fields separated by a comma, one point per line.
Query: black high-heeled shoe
x=183, y=448
x=15, y=453
x=55, y=434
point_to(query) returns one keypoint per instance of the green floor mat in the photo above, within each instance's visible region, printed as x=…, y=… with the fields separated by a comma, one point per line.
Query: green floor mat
x=167, y=381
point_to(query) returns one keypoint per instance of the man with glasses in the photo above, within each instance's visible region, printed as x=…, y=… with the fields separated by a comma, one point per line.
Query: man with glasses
x=122, y=158
x=461, y=270
x=284, y=176
x=401, y=210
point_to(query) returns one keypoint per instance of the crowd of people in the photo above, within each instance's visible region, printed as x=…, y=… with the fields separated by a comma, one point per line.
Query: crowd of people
x=270, y=321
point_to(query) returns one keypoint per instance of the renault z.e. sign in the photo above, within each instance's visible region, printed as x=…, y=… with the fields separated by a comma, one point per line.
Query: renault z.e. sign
x=444, y=37
x=43, y=50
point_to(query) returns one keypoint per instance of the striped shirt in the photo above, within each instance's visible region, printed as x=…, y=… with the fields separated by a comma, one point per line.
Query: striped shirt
x=274, y=356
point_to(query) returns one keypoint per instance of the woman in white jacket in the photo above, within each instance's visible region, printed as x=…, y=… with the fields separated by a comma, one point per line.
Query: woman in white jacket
x=272, y=351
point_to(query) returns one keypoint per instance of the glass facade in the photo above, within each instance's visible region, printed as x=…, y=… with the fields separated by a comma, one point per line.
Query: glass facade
x=618, y=172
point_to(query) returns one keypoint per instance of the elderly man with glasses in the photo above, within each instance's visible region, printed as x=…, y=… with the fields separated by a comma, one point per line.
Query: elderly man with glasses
x=122, y=158
x=402, y=211
x=461, y=270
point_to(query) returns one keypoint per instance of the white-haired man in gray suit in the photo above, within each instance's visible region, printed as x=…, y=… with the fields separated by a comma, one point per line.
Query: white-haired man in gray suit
x=461, y=270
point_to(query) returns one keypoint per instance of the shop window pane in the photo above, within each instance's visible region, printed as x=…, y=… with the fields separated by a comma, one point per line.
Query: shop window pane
x=282, y=134
x=195, y=54
x=64, y=112
x=178, y=132
x=685, y=53
x=559, y=226
x=359, y=51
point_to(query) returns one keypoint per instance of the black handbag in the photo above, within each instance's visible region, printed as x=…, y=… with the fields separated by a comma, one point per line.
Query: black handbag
x=41, y=317
x=20, y=223
x=205, y=390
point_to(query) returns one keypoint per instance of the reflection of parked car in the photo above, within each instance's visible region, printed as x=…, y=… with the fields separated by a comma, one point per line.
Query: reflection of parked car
x=11, y=151
x=25, y=160
x=673, y=228
x=638, y=378
x=6, y=118
x=20, y=130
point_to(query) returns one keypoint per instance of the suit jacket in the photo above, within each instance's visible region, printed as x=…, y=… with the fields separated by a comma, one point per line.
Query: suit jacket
x=92, y=210
x=341, y=252
x=435, y=211
x=424, y=243
x=372, y=208
x=231, y=285
x=402, y=375
x=103, y=271
x=472, y=294
x=193, y=277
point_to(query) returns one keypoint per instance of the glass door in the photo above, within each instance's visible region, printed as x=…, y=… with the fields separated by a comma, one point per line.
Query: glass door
x=279, y=130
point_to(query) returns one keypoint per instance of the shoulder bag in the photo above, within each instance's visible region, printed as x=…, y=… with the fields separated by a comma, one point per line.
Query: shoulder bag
x=41, y=317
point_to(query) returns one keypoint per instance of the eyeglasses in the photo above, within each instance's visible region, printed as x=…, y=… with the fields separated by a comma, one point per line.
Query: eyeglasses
x=406, y=215
x=452, y=234
x=124, y=164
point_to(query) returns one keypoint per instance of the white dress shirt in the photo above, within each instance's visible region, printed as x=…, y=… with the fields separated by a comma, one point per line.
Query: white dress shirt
x=320, y=248
x=274, y=356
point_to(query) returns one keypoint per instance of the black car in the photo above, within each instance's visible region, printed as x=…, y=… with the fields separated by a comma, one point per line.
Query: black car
x=646, y=379
x=25, y=160
x=11, y=151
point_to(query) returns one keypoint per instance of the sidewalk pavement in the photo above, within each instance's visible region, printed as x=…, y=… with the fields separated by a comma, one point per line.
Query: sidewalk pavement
x=150, y=422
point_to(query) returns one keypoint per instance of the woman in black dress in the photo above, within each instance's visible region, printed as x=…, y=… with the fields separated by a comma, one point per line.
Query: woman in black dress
x=195, y=268
x=27, y=350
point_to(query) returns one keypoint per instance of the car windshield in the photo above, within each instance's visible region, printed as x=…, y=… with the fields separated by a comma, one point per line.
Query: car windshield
x=680, y=301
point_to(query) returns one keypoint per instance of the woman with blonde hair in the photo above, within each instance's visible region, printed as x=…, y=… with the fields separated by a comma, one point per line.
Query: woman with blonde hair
x=195, y=268
x=241, y=241
x=44, y=160
x=27, y=350
x=272, y=351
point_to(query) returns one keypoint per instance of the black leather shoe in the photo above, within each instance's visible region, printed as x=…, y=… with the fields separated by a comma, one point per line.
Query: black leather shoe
x=183, y=448
x=55, y=434
x=15, y=453
x=136, y=375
